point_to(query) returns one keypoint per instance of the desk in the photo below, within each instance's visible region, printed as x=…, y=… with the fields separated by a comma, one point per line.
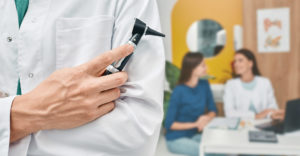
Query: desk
x=223, y=141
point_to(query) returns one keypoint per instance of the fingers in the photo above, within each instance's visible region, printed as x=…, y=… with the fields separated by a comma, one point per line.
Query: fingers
x=202, y=124
x=281, y=111
x=106, y=102
x=106, y=108
x=108, y=96
x=110, y=81
x=98, y=64
x=280, y=117
x=103, y=109
x=200, y=128
x=278, y=113
x=103, y=103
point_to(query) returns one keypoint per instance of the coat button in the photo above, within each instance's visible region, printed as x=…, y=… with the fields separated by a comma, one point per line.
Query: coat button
x=9, y=39
x=30, y=75
x=2, y=94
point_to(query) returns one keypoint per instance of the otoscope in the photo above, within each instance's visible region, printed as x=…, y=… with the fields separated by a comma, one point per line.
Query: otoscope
x=139, y=30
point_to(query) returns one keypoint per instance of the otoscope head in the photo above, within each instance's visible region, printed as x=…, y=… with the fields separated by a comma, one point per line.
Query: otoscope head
x=139, y=27
x=139, y=30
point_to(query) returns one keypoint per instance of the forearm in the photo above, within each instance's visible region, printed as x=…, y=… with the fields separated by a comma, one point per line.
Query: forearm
x=183, y=125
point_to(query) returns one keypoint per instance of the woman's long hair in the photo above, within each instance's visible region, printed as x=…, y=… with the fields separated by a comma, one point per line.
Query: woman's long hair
x=190, y=61
x=250, y=56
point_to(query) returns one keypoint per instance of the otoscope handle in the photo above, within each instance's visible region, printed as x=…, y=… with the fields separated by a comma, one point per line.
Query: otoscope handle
x=124, y=62
x=106, y=72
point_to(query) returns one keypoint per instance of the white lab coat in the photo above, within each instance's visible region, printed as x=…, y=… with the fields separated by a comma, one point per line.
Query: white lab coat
x=57, y=34
x=237, y=99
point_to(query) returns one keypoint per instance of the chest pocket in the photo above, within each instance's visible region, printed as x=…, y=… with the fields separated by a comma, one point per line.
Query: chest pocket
x=78, y=40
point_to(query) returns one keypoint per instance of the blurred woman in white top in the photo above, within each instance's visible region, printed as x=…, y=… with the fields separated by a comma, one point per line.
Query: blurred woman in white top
x=249, y=95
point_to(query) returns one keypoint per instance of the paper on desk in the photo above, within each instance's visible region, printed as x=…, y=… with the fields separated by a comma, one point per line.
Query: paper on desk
x=224, y=123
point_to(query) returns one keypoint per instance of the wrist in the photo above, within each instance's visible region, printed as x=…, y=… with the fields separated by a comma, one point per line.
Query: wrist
x=194, y=124
x=23, y=118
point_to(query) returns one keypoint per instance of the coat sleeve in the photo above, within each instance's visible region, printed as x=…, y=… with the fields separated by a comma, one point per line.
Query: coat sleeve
x=5, y=107
x=211, y=105
x=173, y=108
x=135, y=123
x=272, y=104
x=229, y=104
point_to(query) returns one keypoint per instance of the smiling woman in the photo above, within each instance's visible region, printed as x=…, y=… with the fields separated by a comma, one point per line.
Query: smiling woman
x=245, y=59
x=249, y=95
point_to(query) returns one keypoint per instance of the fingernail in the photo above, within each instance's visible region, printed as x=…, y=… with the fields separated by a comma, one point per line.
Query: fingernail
x=130, y=47
x=123, y=90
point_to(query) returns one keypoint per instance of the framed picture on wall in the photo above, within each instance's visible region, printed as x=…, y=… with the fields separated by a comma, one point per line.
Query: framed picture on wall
x=273, y=30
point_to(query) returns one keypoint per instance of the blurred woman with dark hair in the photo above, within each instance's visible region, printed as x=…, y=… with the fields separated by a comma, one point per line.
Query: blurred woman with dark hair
x=249, y=95
x=191, y=107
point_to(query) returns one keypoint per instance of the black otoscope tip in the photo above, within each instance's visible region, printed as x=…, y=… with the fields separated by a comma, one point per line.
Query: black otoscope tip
x=154, y=32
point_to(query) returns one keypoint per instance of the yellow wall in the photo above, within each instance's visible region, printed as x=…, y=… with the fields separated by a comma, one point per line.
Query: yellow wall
x=226, y=12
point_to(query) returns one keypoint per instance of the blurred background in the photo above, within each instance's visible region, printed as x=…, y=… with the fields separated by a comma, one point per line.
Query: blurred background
x=218, y=29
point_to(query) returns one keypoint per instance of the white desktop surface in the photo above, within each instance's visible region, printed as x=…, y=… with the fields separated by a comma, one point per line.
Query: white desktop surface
x=224, y=141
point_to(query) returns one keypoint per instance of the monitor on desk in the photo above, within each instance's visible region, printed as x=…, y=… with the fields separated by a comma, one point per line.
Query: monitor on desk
x=292, y=116
x=291, y=121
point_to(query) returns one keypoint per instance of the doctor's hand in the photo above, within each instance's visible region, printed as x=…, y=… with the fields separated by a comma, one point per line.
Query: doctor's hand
x=278, y=115
x=264, y=113
x=69, y=97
